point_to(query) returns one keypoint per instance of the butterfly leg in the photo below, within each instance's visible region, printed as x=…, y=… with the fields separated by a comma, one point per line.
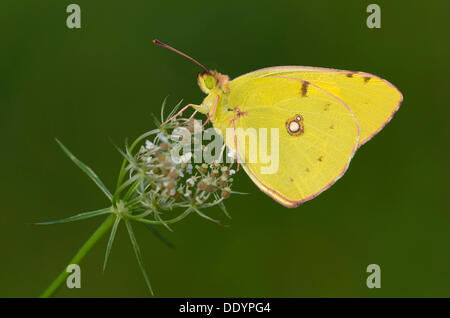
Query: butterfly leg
x=196, y=107
x=239, y=114
x=235, y=143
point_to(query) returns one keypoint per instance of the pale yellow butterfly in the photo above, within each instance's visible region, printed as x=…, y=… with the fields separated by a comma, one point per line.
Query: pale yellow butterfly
x=323, y=116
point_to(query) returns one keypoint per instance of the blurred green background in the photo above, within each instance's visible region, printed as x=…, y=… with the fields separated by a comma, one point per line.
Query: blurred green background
x=104, y=80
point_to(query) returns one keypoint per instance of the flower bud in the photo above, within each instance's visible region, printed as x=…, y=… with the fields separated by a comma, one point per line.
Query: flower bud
x=225, y=171
x=211, y=188
x=170, y=185
x=164, y=146
x=204, y=168
x=223, y=181
x=203, y=185
x=215, y=173
x=177, y=196
x=161, y=157
x=173, y=174
x=225, y=193
x=156, y=170
x=167, y=164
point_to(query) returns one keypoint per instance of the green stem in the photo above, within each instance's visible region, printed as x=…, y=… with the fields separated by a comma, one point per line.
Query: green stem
x=101, y=230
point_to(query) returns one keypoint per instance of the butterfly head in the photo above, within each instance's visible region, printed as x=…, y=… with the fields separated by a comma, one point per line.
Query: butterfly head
x=211, y=80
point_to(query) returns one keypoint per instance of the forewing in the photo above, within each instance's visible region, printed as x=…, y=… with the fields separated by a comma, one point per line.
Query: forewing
x=372, y=100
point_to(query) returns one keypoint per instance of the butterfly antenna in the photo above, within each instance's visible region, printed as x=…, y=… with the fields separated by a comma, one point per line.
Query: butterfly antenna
x=159, y=43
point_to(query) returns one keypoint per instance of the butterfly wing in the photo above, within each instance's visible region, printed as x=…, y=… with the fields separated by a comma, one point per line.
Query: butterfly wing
x=372, y=100
x=313, y=152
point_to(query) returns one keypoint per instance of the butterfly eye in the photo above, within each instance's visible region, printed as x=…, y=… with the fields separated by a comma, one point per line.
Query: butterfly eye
x=210, y=82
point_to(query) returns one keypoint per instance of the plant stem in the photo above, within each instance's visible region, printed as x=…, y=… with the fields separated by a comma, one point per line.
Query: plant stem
x=101, y=230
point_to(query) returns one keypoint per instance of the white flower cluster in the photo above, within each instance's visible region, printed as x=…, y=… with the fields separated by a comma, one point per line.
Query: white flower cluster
x=162, y=183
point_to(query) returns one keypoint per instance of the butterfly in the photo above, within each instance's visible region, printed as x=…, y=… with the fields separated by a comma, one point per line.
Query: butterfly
x=323, y=116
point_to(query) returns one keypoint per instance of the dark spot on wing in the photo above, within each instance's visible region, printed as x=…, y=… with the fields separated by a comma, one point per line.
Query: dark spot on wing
x=332, y=127
x=326, y=107
x=350, y=74
x=304, y=88
x=307, y=169
x=292, y=180
x=295, y=125
x=320, y=158
x=366, y=79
